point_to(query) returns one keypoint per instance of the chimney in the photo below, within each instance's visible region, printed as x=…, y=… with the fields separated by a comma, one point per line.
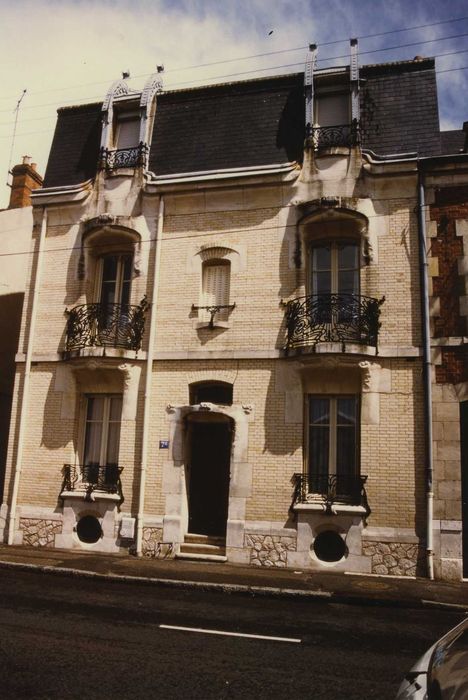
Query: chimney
x=25, y=180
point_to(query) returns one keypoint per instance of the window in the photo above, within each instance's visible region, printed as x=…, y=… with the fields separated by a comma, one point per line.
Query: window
x=212, y=392
x=332, y=109
x=332, y=449
x=102, y=430
x=334, y=281
x=115, y=279
x=215, y=291
x=127, y=133
x=334, y=268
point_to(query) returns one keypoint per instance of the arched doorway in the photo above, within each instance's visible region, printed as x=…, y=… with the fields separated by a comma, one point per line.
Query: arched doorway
x=209, y=440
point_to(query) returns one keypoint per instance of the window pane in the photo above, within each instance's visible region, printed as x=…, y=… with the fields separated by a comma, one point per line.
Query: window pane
x=115, y=410
x=92, y=443
x=348, y=257
x=345, y=451
x=318, y=449
x=321, y=258
x=348, y=282
x=322, y=283
x=346, y=411
x=113, y=439
x=109, y=268
x=319, y=410
x=95, y=408
x=128, y=133
x=332, y=109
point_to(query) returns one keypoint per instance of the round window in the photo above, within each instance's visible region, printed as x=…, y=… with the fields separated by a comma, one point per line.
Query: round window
x=89, y=529
x=329, y=546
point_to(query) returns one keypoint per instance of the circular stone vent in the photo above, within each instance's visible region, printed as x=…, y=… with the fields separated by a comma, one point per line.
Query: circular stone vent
x=89, y=529
x=329, y=546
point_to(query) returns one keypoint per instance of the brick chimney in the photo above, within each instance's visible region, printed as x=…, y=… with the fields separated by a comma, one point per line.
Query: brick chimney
x=25, y=180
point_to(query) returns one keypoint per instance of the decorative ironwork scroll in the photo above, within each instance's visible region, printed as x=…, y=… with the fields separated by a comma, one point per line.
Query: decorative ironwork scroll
x=346, y=135
x=106, y=325
x=330, y=318
x=134, y=157
x=213, y=310
x=92, y=477
x=330, y=489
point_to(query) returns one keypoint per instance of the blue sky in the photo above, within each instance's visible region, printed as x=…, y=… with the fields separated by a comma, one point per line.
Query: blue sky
x=68, y=51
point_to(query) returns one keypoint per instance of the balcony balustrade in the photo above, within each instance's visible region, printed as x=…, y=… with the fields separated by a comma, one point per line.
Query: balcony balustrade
x=111, y=159
x=106, y=325
x=332, y=318
x=330, y=489
x=90, y=478
x=323, y=137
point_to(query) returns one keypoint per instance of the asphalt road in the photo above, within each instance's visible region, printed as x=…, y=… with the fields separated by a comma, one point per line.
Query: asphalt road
x=64, y=637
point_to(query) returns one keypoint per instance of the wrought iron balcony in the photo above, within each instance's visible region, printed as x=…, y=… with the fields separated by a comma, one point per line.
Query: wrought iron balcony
x=329, y=489
x=213, y=310
x=111, y=159
x=347, y=135
x=332, y=318
x=88, y=478
x=106, y=325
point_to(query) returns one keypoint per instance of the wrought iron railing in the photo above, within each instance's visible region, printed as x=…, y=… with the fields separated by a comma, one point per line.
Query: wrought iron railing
x=114, y=158
x=106, y=325
x=92, y=477
x=213, y=310
x=329, y=318
x=329, y=489
x=347, y=135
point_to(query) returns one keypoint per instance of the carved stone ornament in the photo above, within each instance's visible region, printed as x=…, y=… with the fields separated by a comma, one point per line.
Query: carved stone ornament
x=153, y=85
x=366, y=368
x=206, y=407
x=247, y=408
x=170, y=408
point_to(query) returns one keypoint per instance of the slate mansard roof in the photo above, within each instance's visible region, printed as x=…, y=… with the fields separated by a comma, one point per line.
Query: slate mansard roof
x=256, y=123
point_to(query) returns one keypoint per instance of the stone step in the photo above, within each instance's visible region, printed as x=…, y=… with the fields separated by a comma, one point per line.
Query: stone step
x=192, y=538
x=200, y=557
x=195, y=548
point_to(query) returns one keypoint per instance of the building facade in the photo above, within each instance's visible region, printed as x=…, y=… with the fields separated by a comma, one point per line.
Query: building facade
x=222, y=351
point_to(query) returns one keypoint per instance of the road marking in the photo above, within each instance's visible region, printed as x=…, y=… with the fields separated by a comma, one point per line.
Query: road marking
x=200, y=630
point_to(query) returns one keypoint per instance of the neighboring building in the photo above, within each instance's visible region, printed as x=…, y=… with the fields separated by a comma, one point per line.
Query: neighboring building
x=222, y=347
x=446, y=192
x=16, y=224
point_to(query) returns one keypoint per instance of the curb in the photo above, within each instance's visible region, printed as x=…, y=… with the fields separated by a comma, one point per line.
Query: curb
x=242, y=589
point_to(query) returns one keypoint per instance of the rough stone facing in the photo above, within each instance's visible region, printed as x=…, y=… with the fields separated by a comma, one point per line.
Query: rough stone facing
x=152, y=544
x=395, y=558
x=40, y=533
x=269, y=550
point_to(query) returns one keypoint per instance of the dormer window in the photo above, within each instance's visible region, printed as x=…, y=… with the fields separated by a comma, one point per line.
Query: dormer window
x=333, y=125
x=332, y=109
x=127, y=131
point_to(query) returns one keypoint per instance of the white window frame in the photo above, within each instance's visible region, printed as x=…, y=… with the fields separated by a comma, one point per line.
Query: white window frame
x=335, y=269
x=105, y=426
x=332, y=425
x=119, y=276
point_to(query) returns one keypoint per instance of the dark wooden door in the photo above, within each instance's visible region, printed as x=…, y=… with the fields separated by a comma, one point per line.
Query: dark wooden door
x=464, y=478
x=210, y=451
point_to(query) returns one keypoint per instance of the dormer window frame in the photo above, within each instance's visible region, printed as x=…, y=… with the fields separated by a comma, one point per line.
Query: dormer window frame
x=121, y=100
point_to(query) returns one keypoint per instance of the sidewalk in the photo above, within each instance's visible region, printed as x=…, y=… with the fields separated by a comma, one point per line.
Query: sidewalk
x=339, y=588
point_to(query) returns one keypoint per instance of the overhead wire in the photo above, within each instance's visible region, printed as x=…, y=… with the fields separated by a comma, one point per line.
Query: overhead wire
x=259, y=55
x=257, y=70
